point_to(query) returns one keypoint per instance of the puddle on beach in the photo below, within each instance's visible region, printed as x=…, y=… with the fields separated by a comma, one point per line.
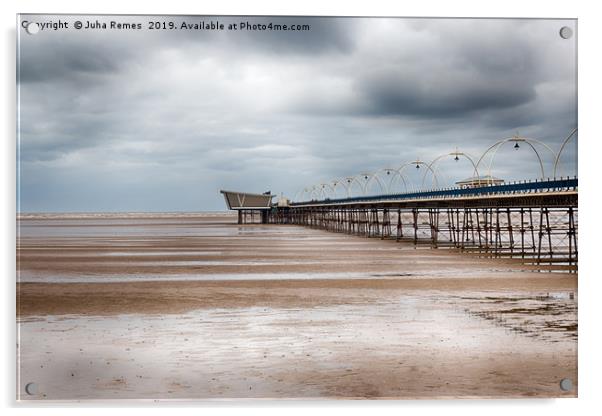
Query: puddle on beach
x=549, y=316
x=33, y=277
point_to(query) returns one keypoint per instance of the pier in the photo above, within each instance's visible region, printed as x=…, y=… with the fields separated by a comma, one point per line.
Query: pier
x=534, y=220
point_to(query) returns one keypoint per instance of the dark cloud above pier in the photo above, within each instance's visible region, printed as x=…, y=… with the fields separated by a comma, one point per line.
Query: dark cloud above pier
x=161, y=120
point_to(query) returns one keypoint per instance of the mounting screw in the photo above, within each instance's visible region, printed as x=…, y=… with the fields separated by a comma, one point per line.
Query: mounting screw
x=566, y=32
x=31, y=389
x=32, y=28
x=566, y=384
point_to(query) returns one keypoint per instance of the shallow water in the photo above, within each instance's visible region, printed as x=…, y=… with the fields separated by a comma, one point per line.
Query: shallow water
x=354, y=342
x=317, y=352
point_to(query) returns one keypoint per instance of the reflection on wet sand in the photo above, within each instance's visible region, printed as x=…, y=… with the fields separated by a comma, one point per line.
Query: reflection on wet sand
x=194, y=307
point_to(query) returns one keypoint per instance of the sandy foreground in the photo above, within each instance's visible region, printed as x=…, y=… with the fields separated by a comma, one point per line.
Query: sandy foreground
x=195, y=306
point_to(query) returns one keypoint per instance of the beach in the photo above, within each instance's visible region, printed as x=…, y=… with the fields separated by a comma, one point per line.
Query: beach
x=194, y=306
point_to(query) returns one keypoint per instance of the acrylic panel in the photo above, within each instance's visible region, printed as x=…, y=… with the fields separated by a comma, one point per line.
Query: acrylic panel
x=242, y=207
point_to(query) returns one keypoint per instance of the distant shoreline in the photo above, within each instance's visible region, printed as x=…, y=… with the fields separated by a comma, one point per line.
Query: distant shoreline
x=89, y=215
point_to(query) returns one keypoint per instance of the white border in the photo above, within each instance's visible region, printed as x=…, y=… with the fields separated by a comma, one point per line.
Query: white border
x=589, y=116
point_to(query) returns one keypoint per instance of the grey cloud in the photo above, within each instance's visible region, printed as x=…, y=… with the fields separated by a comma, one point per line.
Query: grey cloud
x=76, y=60
x=72, y=54
x=428, y=95
x=162, y=121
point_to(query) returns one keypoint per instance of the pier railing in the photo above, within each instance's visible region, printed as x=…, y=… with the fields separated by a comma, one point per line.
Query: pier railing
x=513, y=188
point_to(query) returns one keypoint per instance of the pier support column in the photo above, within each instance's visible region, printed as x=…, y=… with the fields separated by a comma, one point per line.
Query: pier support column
x=415, y=218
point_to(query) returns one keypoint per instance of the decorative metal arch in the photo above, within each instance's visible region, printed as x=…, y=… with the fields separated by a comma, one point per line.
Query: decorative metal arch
x=419, y=163
x=392, y=173
x=304, y=192
x=456, y=155
x=335, y=183
x=322, y=188
x=310, y=192
x=557, y=160
x=497, y=145
x=364, y=180
x=350, y=180
x=369, y=177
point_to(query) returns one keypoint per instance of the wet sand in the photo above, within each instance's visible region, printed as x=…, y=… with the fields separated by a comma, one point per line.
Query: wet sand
x=162, y=307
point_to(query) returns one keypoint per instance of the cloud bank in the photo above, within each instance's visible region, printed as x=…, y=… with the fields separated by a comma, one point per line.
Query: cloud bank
x=161, y=120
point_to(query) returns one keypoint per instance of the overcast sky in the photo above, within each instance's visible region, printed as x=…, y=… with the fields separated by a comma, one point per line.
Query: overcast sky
x=139, y=120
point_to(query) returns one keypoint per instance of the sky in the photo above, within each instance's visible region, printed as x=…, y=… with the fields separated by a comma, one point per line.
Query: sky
x=161, y=120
